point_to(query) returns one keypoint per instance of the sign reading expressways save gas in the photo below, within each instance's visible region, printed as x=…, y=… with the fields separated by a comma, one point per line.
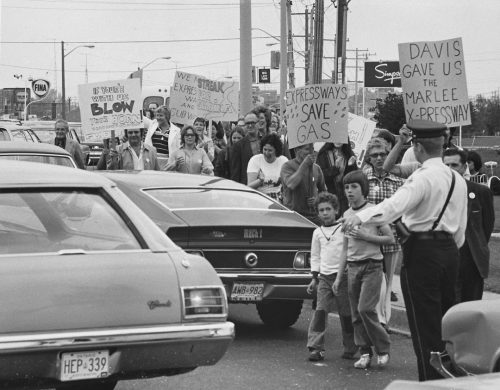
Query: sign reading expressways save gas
x=317, y=113
x=433, y=81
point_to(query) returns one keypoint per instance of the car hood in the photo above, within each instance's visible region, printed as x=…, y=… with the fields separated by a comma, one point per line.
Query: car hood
x=246, y=217
x=472, y=334
x=479, y=382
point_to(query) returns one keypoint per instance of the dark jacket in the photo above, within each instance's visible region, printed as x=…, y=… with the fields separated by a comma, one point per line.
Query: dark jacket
x=480, y=222
x=331, y=173
x=239, y=158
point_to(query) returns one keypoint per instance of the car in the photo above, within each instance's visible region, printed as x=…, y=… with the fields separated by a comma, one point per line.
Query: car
x=478, y=382
x=14, y=131
x=92, y=291
x=259, y=248
x=46, y=133
x=36, y=152
x=471, y=331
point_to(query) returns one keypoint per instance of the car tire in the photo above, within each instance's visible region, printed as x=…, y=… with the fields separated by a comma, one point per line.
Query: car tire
x=279, y=314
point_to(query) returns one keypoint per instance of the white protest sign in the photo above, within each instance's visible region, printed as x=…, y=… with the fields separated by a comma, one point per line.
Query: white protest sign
x=194, y=96
x=109, y=105
x=317, y=112
x=433, y=81
x=360, y=132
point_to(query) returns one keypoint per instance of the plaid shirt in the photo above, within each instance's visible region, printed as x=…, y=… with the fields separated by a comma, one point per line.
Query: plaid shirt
x=382, y=188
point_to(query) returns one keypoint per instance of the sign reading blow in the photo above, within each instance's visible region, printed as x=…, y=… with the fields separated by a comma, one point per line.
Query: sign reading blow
x=109, y=105
x=317, y=113
x=434, y=83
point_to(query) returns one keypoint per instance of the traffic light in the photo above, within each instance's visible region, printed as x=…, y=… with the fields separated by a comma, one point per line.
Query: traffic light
x=275, y=60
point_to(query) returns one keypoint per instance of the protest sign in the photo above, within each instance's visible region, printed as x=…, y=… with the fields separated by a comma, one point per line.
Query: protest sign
x=109, y=105
x=382, y=74
x=433, y=80
x=360, y=132
x=317, y=113
x=194, y=96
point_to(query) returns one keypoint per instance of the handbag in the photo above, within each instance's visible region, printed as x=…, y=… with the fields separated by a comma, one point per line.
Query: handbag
x=402, y=230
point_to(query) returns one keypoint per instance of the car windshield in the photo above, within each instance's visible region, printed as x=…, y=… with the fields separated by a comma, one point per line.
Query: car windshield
x=45, y=135
x=64, y=161
x=53, y=221
x=196, y=198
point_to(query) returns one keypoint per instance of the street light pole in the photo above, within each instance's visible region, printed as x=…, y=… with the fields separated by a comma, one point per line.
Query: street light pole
x=63, y=74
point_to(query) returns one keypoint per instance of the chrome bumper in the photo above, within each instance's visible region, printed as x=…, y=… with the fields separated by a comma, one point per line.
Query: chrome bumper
x=98, y=338
x=442, y=363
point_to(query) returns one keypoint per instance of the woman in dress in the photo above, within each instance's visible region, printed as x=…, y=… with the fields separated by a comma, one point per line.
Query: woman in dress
x=264, y=169
x=337, y=160
x=189, y=158
x=222, y=165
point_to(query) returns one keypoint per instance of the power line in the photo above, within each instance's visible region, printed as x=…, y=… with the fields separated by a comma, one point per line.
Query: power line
x=137, y=41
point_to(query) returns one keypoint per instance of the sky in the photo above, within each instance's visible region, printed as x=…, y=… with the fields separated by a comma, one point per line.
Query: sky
x=202, y=37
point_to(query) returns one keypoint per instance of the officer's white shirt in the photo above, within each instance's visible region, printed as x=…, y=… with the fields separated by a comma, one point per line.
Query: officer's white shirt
x=420, y=200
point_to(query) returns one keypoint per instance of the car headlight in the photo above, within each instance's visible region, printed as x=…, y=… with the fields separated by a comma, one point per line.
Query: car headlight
x=204, y=301
x=302, y=260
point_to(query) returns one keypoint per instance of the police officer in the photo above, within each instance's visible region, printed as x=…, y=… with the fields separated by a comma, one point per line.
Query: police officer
x=430, y=255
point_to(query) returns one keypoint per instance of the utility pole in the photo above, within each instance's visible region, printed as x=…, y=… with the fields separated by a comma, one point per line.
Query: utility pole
x=245, y=56
x=306, y=59
x=318, y=42
x=359, y=56
x=291, y=64
x=340, y=43
x=63, y=83
x=311, y=45
x=283, y=55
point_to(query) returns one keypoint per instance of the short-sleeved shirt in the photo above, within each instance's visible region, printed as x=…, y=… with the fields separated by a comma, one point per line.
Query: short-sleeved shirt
x=270, y=173
x=357, y=249
x=312, y=183
x=160, y=142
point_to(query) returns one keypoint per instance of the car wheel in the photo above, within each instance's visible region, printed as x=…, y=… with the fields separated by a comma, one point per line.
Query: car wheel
x=279, y=313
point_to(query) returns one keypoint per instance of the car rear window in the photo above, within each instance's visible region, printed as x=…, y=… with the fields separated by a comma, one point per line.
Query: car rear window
x=45, y=135
x=195, y=198
x=18, y=135
x=51, y=221
x=64, y=161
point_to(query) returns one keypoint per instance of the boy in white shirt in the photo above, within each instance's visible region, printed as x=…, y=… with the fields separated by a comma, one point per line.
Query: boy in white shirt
x=326, y=249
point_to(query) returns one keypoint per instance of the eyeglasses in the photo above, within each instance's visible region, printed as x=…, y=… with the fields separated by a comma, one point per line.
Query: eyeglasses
x=189, y=135
x=133, y=132
x=377, y=155
x=453, y=165
x=250, y=123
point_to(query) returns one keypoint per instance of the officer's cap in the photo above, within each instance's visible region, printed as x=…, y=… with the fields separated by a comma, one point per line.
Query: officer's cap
x=426, y=129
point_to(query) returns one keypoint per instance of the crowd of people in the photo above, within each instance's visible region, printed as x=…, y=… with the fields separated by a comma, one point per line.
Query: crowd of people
x=371, y=216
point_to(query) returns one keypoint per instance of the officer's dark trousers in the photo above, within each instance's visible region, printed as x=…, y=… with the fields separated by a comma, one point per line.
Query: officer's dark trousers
x=428, y=279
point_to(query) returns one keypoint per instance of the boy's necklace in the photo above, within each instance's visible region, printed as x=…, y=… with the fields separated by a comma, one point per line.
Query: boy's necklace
x=331, y=235
x=360, y=207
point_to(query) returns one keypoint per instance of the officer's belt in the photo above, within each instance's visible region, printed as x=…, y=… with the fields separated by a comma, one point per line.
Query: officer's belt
x=431, y=235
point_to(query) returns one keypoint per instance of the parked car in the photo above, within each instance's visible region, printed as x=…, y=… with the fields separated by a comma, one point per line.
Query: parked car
x=36, y=152
x=477, y=382
x=260, y=249
x=471, y=331
x=14, y=131
x=45, y=131
x=92, y=290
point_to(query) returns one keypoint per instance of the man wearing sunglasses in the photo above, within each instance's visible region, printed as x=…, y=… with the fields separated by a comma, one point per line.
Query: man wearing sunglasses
x=133, y=154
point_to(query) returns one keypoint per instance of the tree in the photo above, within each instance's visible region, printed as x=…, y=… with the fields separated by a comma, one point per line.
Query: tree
x=390, y=112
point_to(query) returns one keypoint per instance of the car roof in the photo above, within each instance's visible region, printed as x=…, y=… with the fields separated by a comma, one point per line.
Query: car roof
x=27, y=174
x=31, y=147
x=13, y=126
x=163, y=179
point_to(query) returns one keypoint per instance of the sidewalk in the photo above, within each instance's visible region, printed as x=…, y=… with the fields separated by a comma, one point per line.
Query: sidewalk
x=399, y=322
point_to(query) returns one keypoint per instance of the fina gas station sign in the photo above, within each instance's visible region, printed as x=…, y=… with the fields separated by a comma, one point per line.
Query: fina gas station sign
x=40, y=88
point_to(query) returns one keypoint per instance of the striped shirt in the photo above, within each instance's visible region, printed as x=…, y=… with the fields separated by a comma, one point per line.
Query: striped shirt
x=160, y=141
